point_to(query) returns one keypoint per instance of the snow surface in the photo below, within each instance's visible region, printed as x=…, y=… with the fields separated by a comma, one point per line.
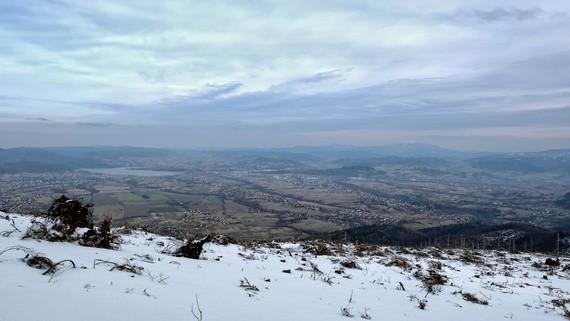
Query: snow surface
x=515, y=290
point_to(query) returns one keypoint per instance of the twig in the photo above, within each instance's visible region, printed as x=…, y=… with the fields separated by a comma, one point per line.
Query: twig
x=121, y=267
x=200, y=314
x=54, y=266
x=24, y=249
x=13, y=224
x=99, y=261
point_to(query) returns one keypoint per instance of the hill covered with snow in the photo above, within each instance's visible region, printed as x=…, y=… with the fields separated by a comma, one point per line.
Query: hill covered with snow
x=272, y=281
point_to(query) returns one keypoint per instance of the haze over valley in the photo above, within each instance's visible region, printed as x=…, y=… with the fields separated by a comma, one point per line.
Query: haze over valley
x=295, y=193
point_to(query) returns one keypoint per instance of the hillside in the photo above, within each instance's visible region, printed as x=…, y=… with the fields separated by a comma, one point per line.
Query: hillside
x=473, y=235
x=276, y=281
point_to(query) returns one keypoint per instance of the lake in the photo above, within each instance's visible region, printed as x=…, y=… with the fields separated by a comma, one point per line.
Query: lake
x=129, y=171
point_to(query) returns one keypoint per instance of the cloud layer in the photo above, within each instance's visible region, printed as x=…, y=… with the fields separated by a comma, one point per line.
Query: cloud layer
x=275, y=73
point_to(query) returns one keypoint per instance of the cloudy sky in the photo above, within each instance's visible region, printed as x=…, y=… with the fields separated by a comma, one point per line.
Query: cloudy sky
x=487, y=75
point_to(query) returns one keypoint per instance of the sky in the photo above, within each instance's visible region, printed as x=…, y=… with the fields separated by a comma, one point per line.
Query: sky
x=465, y=74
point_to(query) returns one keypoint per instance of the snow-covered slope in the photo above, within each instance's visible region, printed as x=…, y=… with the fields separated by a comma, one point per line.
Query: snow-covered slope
x=168, y=286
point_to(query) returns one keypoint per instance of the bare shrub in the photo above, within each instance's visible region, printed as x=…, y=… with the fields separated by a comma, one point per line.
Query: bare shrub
x=561, y=303
x=63, y=219
x=315, y=269
x=101, y=237
x=474, y=299
x=436, y=253
x=193, y=248
x=72, y=213
x=327, y=279
x=125, y=267
x=158, y=278
x=317, y=248
x=363, y=250
x=350, y=264
x=52, y=230
x=248, y=286
x=38, y=261
x=400, y=262
x=432, y=281
x=345, y=312
x=435, y=265
x=471, y=257
x=552, y=262
x=422, y=304
x=54, y=266
x=365, y=315
x=223, y=240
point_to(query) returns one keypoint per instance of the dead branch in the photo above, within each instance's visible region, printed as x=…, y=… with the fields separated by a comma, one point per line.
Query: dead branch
x=125, y=267
x=244, y=283
x=53, y=267
x=200, y=314
x=24, y=249
x=13, y=224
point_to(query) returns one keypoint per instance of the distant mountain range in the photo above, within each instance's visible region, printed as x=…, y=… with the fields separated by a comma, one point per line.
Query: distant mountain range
x=398, y=150
x=15, y=160
x=26, y=159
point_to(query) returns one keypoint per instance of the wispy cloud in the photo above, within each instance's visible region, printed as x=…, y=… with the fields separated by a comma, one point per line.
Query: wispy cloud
x=498, y=14
x=296, y=66
x=217, y=91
